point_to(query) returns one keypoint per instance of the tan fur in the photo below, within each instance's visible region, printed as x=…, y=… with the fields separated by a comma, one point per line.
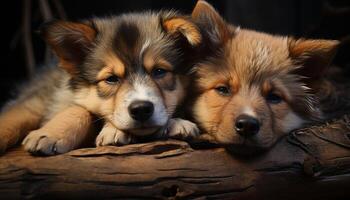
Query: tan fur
x=303, y=47
x=220, y=34
x=113, y=66
x=82, y=34
x=89, y=99
x=18, y=120
x=66, y=130
x=253, y=65
x=27, y=112
x=102, y=70
x=150, y=62
x=190, y=31
x=314, y=53
x=179, y=92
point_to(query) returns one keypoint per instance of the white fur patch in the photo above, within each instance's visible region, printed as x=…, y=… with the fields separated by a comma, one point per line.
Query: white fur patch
x=109, y=135
x=292, y=121
x=89, y=99
x=145, y=45
x=141, y=92
x=237, y=29
x=249, y=111
x=180, y=128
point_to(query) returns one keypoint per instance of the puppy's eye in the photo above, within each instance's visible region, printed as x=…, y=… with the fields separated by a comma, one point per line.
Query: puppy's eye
x=223, y=90
x=158, y=73
x=112, y=80
x=273, y=98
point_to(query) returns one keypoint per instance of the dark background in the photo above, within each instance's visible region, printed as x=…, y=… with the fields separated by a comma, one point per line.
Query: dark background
x=312, y=18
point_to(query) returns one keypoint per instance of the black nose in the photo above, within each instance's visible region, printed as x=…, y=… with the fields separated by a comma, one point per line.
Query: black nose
x=247, y=125
x=141, y=110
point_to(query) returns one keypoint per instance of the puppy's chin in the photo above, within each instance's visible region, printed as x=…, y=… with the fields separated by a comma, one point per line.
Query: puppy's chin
x=139, y=129
x=144, y=131
x=248, y=146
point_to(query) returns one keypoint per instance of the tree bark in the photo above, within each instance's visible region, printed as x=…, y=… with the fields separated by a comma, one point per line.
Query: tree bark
x=312, y=163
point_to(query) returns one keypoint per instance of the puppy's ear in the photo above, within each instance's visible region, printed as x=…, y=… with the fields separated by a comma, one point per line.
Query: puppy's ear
x=313, y=56
x=70, y=41
x=211, y=22
x=180, y=26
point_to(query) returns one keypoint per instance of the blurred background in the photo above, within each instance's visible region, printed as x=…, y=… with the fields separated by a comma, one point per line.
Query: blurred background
x=24, y=52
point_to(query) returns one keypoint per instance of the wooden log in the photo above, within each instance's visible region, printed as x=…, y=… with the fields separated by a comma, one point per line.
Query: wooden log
x=312, y=163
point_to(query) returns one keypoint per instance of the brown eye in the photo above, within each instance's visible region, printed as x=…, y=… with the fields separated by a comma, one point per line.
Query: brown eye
x=223, y=90
x=273, y=98
x=158, y=73
x=112, y=80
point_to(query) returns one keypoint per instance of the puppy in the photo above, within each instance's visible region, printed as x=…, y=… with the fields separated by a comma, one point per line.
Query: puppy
x=254, y=87
x=128, y=70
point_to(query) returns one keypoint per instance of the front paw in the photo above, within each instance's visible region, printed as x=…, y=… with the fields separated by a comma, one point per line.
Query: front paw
x=112, y=136
x=182, y=129
x=41, y=143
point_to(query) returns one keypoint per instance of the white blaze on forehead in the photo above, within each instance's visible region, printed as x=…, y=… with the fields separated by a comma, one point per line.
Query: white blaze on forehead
x=145, y=45
x=292, y=121
x=248, y=111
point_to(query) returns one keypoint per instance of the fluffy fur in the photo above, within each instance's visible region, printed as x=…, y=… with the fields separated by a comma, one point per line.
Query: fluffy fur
x=105, y=64
x=271, y=79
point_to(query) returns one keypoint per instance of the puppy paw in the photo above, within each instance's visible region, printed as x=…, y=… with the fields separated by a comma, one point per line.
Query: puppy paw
x=41, y=143
x=182, y=129
x=112, y=136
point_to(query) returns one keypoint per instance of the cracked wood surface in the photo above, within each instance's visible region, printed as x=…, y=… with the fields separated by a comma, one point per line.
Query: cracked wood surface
x=312, y=163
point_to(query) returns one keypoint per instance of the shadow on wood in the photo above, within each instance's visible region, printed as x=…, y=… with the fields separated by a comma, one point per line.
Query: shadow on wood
x=311, y=163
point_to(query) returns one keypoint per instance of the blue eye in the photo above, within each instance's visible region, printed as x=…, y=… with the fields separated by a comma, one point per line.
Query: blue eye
x=223, y=90
x=273, y=98
x=112, y=80
x=158, y=73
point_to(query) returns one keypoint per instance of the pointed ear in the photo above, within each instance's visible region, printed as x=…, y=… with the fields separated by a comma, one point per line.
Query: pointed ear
x=70, y=41
x=180, y=26
x=210, y=20
x=314, y=56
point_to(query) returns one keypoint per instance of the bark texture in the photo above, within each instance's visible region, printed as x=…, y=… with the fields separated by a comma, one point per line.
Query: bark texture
x=312, y=163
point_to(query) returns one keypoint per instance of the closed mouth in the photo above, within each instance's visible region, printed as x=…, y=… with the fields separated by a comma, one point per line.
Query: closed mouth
x=144, y=130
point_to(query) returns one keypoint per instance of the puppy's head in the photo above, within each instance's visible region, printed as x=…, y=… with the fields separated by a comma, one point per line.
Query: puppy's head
x=128, y=69
x=254, y=87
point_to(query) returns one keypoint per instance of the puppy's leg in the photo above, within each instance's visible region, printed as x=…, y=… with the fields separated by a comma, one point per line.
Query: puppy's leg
x=109, y=135
x=17, y=120
x=181, y=129
x=66, y=131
